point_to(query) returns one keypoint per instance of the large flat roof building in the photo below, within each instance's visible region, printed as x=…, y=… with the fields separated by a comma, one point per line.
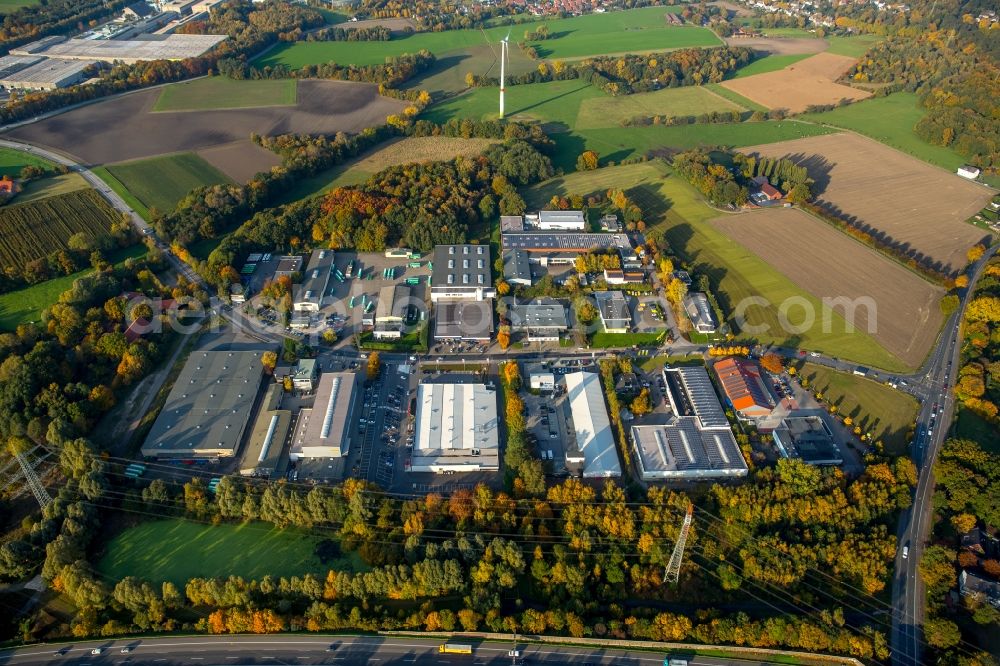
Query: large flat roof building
x=614, y=311
x=683, y=449
x=562, y=247
x=691, y=393
x=208, y=409
x=541, y=320
x=592, y=427
x=325, y=430
x=309, y=295
x=462, y=272
x=456, y=429
x=744, y=387
x=262, y=454
x=43, y=74
x=288, y=265
x=808, y=438
x=145, y=47
x=559, y=220
x=463, y=320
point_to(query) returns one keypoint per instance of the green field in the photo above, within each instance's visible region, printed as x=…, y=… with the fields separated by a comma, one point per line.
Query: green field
x=672, y=206
x=12, y=161
x=769, y=63
x=8, y=6
x=604, y=340
x=620, y=143
x=552, y=102
x=51, y=186
x=447, y=75
x=854, y=47
x=884, y=411
x=160, y=182
x=604, y=111
x=735, y=97
x=24, y=305
x=220, y=92
x=890, y=120
x=178, y=550
x=636, y=30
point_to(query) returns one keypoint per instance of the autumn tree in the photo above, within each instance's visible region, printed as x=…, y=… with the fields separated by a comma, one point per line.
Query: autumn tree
x=503, y=337
x=269, y=360
x=975, y=253
x=772, y=362
x=587, y=161
x=374, y=365
x=642, y=404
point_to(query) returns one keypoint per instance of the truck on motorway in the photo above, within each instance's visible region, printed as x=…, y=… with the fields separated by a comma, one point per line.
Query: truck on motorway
x=455, y=648
x=674, y=661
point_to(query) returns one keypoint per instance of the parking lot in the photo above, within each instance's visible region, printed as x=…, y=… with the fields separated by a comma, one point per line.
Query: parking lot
x=347, y=298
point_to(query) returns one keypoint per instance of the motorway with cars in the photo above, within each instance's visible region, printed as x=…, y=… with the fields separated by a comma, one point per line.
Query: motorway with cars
x=377, y=650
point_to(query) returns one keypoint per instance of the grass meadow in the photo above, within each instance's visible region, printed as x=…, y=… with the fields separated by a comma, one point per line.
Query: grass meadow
x=769, y=63
x=883, y=410
x=12, y=161
x=635, y=30
x=220, y=92
x=178, y=550
x=602, y=112
x=160, y=182
x=51, y=186
x=25, y=305
x=680, y=213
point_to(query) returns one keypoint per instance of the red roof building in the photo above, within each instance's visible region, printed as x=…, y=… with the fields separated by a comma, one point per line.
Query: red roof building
x=136, y=330
x=770, y=191
x=744, y=387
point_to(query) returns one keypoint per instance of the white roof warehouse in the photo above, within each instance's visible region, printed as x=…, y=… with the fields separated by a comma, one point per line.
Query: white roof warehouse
x=456, y=429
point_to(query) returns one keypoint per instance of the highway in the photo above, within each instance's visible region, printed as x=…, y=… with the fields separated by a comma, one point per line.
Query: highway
x=288, y=649
x=934, y=389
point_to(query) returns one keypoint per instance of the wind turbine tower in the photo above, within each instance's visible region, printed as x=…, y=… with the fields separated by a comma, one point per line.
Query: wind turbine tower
x=503, y=68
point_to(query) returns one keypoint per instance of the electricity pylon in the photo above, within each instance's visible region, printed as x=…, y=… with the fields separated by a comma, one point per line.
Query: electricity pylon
x=673, y=572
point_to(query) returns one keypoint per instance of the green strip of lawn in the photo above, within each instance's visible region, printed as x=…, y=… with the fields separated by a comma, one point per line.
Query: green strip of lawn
x=220, y=92
x=177, y=550
x=160, y=182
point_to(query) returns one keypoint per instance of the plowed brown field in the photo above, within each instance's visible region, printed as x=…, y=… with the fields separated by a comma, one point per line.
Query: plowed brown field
x=829, y=264
x=919, y=208
x=807, y=82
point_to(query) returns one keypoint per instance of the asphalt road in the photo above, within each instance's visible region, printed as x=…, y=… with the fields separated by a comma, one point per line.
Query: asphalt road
x=378, y=650
x=934, y=389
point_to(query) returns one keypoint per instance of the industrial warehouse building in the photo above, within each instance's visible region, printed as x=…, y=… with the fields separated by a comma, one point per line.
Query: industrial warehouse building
x=685, y=450
x=690, y=393
x=541, y=320
x=129, y=51
x=744, y=388
x=324, y=430
x=37, y=73
x=463, y=320
x=456, y=429
x=594, y=437
x=563, y=247
x=390, y=311
x=808, y=438
x=516, y=267
x=267, y=438
x=208, y=409
x=309, y=294
x=461, y=272
x=557, y=220
x=699, y=311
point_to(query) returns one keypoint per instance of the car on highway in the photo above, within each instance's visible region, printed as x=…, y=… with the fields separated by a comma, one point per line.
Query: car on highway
x=97, y=651
x=126, y=649
x=906, y=552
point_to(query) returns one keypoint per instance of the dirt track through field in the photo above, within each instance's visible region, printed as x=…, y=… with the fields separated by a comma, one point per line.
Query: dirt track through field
x=780, y=45
x=828, y=264
x=805, y=83
x=123, y=128
x=917, y=207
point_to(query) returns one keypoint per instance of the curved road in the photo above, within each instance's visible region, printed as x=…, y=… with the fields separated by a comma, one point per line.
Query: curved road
x=343, y=650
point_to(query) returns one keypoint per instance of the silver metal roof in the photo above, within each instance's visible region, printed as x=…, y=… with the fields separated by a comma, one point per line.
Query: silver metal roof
x=683, y=448
x=594, y=437
x=456, y=425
